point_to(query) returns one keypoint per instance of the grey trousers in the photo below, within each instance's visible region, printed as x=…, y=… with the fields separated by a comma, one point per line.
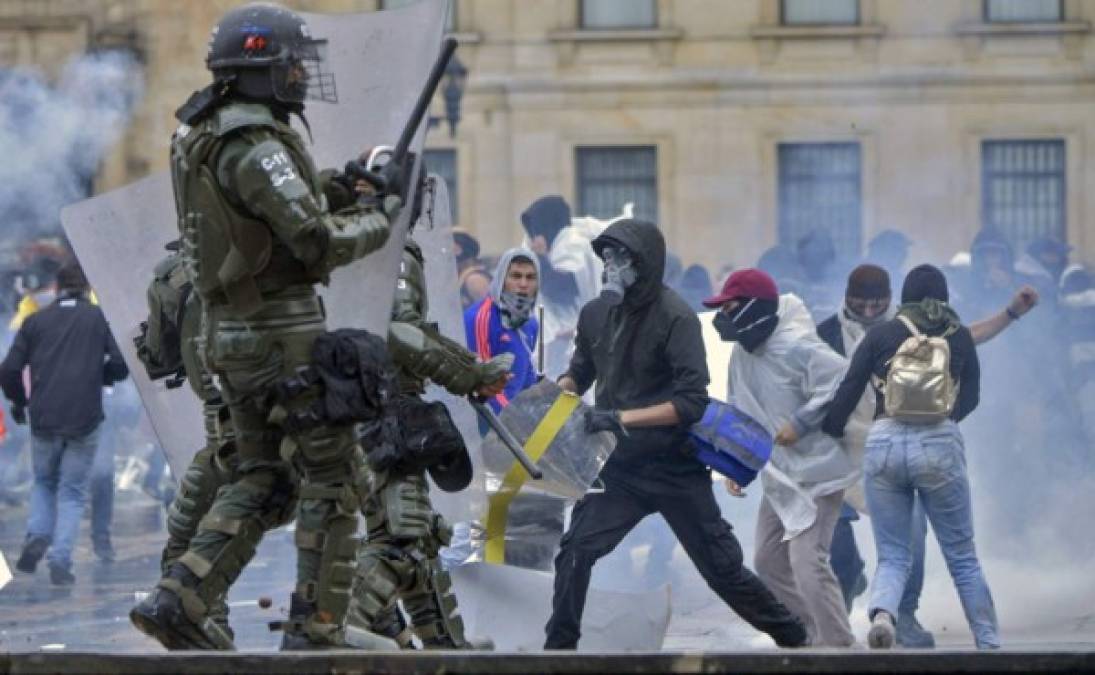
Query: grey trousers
x=799, y=574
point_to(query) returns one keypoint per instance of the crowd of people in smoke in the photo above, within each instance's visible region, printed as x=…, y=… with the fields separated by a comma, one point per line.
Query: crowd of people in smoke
x=821, y=312
x=862, y=377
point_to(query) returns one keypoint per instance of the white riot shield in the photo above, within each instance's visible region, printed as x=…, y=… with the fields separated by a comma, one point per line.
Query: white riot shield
x=380, y=61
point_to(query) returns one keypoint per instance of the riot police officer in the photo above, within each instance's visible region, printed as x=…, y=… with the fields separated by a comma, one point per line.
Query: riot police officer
x=167, y=348
x=257, y=236
x=399, y=560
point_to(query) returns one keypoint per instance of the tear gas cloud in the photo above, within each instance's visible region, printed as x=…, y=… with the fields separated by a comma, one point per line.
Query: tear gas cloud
x=54, y=137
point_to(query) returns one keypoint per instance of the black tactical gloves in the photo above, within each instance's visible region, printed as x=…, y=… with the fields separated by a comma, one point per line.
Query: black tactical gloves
x=605, y=420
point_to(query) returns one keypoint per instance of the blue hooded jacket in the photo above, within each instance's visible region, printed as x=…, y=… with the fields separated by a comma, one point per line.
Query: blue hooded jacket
x=488, y=337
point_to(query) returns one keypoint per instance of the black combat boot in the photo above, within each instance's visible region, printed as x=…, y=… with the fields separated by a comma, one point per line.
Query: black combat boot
x=163, y=617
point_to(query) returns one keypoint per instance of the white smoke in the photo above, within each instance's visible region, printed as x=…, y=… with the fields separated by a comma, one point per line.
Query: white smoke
x=53, y=137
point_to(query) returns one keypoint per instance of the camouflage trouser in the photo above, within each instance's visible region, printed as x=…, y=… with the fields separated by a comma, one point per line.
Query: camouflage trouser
x=250, y=357
x=212, y=468
x=399, y=561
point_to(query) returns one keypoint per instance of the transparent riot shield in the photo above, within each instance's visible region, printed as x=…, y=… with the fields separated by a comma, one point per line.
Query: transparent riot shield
x=523, y=519
x=380, y=61
x=433, y=233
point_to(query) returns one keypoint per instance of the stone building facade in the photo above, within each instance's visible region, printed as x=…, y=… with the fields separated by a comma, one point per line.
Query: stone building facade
x=737, y=124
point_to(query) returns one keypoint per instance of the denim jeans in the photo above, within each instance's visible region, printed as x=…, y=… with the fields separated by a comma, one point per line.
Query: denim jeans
x=62, y=471
x=902, y=462
x=102, y=489
x=910, y=600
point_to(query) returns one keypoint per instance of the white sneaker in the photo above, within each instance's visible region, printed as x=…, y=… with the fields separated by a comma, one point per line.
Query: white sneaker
x=882, y=631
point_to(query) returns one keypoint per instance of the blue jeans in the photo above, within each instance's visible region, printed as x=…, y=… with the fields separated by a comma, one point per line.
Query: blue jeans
x=902, y=462
x=102, y=489
x=62, y=471
x=910, y=600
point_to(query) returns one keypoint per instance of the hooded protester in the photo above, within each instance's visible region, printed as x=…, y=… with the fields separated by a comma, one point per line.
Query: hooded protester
x=503, y=322
x=570, y=274
x=926, y=458
x=642, y=346
x=782, y=374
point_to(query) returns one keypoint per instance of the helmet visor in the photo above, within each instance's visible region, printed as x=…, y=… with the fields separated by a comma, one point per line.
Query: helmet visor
x=304, y=75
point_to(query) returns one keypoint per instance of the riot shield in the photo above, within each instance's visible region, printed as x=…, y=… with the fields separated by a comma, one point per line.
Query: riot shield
x=523, y=518
x=119, y=236
x=433, y=234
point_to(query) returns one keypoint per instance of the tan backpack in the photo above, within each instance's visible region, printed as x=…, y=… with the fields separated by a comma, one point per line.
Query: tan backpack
x=919, y=388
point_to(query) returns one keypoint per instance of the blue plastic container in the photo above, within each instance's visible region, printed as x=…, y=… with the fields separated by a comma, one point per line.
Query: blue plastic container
x=731, y=442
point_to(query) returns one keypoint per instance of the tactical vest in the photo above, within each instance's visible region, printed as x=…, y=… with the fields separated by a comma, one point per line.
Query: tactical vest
x=232, y=257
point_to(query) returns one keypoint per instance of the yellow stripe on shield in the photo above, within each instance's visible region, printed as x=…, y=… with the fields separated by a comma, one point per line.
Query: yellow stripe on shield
x=536, y=445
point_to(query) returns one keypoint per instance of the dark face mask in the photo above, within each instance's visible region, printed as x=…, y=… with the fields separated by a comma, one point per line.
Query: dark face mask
x=724, y=324
x=750, y=325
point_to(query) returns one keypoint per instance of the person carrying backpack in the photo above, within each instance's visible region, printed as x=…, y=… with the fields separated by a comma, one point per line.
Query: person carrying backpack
x=924, y=365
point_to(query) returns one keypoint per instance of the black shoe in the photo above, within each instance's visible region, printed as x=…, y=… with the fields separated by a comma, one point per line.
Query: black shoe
x=60, y=575
x=104, y=551
x=161, y=616
x=33, y=550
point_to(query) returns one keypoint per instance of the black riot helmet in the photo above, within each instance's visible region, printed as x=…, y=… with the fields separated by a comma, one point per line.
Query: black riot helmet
x=266, y=52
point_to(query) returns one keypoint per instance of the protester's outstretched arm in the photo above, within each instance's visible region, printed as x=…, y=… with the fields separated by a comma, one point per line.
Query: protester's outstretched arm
x=1022, y=302
x=851, y=388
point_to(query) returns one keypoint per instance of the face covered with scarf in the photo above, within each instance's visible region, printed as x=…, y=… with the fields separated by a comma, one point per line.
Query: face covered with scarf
x=747, y=321
x=748, y=308
x=867, y=298
x=515, y=285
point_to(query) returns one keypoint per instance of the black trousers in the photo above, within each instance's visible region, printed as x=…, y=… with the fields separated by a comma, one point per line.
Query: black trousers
x=601, y=521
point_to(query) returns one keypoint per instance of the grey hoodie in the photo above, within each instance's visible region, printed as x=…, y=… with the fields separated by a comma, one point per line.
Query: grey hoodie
x=497, y=283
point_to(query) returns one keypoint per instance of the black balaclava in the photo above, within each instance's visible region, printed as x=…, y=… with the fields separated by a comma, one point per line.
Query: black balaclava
x=750, y=324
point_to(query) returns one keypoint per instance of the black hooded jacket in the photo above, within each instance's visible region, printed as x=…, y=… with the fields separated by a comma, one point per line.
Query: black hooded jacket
x=645, y=351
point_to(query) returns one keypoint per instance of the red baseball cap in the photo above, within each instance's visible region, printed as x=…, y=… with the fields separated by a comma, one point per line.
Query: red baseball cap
x=747, y=283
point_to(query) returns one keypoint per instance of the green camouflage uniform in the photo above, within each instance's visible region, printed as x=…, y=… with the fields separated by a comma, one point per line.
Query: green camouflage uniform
x=400, y=558
x=257, y=236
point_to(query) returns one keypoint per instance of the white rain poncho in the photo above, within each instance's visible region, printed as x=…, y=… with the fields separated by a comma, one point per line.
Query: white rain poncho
x=794, y=375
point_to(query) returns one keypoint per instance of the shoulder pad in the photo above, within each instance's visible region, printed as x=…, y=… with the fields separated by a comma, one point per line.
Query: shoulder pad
x=411, y=247
x=240, y=115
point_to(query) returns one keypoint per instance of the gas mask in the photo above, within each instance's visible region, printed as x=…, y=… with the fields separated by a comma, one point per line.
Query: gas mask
x=516, y=308
x=749, y=325
x=619, y=275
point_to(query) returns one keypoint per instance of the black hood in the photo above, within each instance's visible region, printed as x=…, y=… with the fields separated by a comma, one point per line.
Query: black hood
x=647, y=246
x=547, y=216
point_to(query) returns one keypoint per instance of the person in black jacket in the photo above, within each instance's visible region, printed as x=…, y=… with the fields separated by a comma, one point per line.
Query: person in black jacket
x=642, y=346
x=904, y=461
x=71, y=355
